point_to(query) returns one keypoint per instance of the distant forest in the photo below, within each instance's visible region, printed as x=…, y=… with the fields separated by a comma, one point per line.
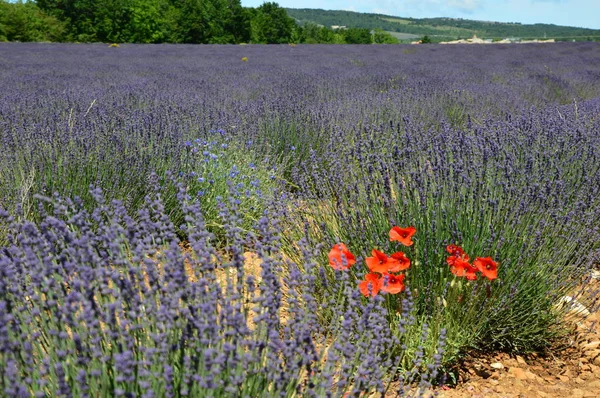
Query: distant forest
x=446, y=28
x=227, y=22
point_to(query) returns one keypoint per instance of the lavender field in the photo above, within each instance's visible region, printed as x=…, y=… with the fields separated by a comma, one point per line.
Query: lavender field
x=310, y=220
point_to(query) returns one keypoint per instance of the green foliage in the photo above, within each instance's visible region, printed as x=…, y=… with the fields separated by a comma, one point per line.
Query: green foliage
x=357, y=36
x=271, y=25
x=382, y=37
x=24, y=21
x=312, y=33
x=209, y=21
x=426, y=40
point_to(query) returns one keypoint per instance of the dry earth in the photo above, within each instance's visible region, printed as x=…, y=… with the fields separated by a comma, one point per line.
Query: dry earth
x=570, y=370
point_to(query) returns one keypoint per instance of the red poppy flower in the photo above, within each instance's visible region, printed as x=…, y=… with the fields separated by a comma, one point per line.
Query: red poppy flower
x=487, y=266
x=458, y=266
x=457, y=251
x=471, y=273
x=371, y=285
x=393, y=283
x=380, y=262
x=401, y=262
x=340, y=257
x=402, y=235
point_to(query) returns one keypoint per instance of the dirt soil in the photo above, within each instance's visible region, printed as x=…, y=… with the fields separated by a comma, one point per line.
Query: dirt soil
x=570, y=370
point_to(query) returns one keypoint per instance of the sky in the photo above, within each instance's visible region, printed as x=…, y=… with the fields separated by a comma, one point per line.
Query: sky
x=579, y=13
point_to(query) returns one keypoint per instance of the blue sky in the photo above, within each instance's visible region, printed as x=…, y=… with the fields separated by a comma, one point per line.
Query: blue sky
x=581, y=13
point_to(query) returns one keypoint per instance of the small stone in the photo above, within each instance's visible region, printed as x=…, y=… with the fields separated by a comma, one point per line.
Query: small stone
x=579, y=380
x=520, y=360
x=518, y=383
x=484, y=374
x=591, y=346
x=564, y=379
x=586, y=375
x=595, y=384
x=567, y=372
x=595, y=274
x=497, y=365
x=577, y=393
x=530, y=375
x=573, y=306
x=539, y=379
x=591, y=353
x=518, y=373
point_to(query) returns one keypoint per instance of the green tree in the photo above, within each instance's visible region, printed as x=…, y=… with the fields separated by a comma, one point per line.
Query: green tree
x=147, y=21
x=272, y=25
x=24, y=21
x=312, y=33
x=357, y=36
x=3, y=12
x=382, y=37
x=238, y=22
x=110, y=18
x=78, y=16
x=204, y=21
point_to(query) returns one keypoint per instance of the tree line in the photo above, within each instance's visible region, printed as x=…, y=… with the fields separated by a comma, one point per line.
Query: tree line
x=166, y=21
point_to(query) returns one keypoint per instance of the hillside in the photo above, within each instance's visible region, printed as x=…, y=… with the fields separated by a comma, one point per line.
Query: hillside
x=441, y=28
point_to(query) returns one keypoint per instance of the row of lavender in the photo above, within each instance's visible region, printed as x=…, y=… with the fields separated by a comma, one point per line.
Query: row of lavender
x=75, y=107
x=286, y=153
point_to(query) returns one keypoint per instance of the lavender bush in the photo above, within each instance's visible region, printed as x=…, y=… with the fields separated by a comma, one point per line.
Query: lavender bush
x=139, y=285
x=106, y=304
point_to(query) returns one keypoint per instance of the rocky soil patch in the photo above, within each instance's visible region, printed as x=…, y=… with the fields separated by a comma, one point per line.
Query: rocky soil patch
x=572, y=369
